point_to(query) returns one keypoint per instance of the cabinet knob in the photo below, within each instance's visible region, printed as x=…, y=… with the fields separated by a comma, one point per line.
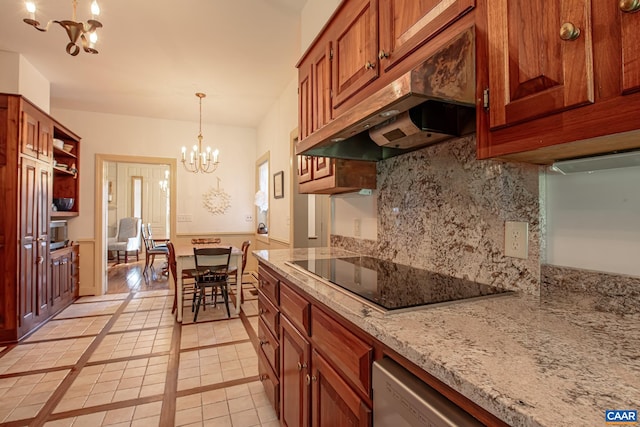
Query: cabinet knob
x=40, y=259
x=569, y=32
x=629, y=6
x=369, y=66
x=308, y=378
x=263, y=342
x=382, y=54
x=301, y=366
x=261, y=311
x=314, y=378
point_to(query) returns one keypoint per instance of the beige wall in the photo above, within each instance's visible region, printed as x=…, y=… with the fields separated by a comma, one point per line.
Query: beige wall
x=20, y=77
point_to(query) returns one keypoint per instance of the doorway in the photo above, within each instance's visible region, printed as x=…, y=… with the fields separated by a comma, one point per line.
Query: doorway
x=143, y=187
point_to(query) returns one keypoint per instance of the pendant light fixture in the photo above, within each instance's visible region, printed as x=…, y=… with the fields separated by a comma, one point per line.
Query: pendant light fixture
x=199, y=160
x=86, y=32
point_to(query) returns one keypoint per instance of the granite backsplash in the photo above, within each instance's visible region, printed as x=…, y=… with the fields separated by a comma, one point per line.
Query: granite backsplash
x=441, y=209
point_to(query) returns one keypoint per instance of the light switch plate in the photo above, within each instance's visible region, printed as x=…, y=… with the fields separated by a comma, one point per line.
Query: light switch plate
x=516, y=239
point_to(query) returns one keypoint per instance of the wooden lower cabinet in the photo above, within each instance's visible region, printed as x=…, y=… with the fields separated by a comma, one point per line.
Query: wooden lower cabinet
x=294, y=376
x=325, y=363
x=63, y=277
x=334, y=403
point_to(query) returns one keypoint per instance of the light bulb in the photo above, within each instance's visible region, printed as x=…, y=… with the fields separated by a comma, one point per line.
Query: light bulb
x=31, y=6
x=95, y=9
x=195, y=148
x=93, y=38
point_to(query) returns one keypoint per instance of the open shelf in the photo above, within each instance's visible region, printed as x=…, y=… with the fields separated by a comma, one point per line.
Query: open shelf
x=63, y=214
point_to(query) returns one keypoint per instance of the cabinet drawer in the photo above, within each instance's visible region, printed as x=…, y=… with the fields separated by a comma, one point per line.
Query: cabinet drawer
x=269, y=346
x=347, y=353
x=269, y=285
x=295, y=307
x=268, y=313
x=269, y=381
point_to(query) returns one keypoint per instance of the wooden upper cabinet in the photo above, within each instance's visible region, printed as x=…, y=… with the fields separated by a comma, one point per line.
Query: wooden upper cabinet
x=355, y=49
x=322, y=167
x=36, y=135
x=29, y=134
x=304, y=102
x=540, y=58
x=304, y=168
x=321, y=85
x=407, y=24
x=630, y=23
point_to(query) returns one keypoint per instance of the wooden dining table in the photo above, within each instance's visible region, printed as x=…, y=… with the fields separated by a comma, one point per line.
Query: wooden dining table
x=186, y=259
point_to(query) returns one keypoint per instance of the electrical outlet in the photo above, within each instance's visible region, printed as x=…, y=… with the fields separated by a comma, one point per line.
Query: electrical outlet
x=356, y=227
x=248, y=218
x=516, y=239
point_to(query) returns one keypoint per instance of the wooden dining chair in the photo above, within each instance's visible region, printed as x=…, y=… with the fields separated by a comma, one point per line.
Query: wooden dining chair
x=211, y=272
x=151, y=250
x=233, y=269
x=187, y=279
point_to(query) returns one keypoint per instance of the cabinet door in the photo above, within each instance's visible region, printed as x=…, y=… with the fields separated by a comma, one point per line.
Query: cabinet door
x=304, y=168
x=34, y=294
x=321, y=86
x=355, y=49
x=533, y=70
x=45, y=139
x=322, y=166
x=294, y=371
x=333, y=402
x=44, y=222
x=29, y=134
x=56, y=281
x=36, y=137
x=305, y=108
x=630, y=50
x=406, y=24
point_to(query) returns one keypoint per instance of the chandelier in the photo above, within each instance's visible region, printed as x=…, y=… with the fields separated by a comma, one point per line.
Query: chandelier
x=75, y=30
x=199, y=160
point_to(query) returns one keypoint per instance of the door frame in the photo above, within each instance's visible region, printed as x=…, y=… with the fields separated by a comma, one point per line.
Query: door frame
x=101, y=192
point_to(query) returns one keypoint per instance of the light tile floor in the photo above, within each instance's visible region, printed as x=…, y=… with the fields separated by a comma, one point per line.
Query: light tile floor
x=106, y=361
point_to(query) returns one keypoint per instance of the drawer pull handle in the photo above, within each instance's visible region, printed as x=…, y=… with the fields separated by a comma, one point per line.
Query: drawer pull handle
x=569, y=32
x=629, y=6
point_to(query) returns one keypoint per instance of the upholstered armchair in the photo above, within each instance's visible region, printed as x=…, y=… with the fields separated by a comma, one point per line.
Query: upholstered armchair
x=127, y=239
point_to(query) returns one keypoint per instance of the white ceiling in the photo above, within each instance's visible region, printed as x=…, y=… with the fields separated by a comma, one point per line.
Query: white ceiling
x=155, y=54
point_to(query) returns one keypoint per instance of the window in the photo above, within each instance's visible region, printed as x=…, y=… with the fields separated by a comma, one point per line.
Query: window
x=262, y=192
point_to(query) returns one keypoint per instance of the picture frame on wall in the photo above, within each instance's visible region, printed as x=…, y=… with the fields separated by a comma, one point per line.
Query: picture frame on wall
x=278, y=185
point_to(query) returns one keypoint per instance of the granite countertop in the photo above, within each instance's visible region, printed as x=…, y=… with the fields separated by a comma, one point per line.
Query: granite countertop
x=531, y=361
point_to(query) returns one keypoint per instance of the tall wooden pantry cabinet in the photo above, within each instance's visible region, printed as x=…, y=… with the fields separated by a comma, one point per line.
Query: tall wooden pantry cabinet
x=27, y=186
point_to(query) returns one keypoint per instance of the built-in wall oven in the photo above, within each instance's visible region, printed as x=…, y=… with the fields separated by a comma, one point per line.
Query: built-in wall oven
x=400, y=399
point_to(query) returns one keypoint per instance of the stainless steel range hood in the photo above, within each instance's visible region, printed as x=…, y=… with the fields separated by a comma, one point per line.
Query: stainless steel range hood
x=429, y=104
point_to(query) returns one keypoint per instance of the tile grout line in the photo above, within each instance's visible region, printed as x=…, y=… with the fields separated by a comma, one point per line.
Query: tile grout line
x=44, y=413
x=168, y=410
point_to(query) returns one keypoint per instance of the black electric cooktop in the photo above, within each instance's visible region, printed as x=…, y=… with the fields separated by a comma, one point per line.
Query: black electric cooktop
x=394, y=286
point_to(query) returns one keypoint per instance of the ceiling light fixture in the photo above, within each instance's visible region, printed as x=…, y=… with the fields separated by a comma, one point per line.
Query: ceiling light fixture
x=75, y=30
x=199, y=160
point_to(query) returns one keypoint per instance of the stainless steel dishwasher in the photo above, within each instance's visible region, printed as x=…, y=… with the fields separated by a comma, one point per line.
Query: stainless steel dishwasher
x=400, y=399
